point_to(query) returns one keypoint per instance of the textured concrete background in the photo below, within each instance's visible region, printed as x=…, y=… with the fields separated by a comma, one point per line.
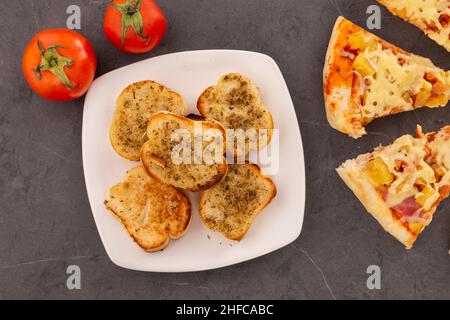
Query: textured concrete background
x=45, y=219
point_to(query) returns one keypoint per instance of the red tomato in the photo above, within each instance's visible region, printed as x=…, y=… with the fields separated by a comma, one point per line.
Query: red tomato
x=59, y=64
x=134, y=26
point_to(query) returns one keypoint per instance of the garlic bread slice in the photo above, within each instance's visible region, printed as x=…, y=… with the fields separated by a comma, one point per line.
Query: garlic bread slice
x=231, y=206
x=152, y=212
x=134, y=107
x=235, y=102
x=167, y=133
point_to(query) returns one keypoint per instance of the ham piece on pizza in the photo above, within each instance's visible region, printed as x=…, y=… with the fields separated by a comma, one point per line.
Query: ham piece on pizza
x=401, y=185
x=366, y=78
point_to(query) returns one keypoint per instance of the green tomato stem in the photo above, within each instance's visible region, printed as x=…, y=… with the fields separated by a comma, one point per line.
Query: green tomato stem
x=52, y=61
x=131, y=17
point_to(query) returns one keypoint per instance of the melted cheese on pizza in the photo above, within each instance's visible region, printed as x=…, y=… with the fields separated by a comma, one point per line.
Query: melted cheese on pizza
x=411, y=177
x=396, y=79
x=412, y=173
x=392, y=85
x=440, y=147
x=432, y=16
x=405, y=159
x=440, y=152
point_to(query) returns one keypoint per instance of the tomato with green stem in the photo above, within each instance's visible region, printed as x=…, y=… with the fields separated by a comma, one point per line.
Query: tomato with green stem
x=134, y=26
x=59, y=64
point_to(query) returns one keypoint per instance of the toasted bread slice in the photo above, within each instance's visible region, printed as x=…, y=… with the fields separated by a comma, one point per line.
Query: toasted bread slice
x=190, y=169
x=235, y=102
x=134, y=107
x=231, y=206
x=152, y=212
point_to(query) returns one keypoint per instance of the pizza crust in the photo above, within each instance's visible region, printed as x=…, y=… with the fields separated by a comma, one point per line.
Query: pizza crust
x=337, y=79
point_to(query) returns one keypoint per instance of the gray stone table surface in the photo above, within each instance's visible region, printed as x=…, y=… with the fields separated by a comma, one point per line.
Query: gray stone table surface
x=45, y=219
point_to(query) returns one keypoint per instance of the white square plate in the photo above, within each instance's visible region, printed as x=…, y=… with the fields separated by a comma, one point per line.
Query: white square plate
x=189, y=73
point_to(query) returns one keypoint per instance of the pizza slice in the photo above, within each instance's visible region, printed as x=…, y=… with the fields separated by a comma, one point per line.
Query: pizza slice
x=402, y=184
x=431, y=16
x=366, y=78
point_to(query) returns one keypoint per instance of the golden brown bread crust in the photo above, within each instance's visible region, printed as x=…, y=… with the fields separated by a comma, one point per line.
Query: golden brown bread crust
x=231, y=206
x=235, y=102
x=156, y=154
x=152, y=213
x=134, y=107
